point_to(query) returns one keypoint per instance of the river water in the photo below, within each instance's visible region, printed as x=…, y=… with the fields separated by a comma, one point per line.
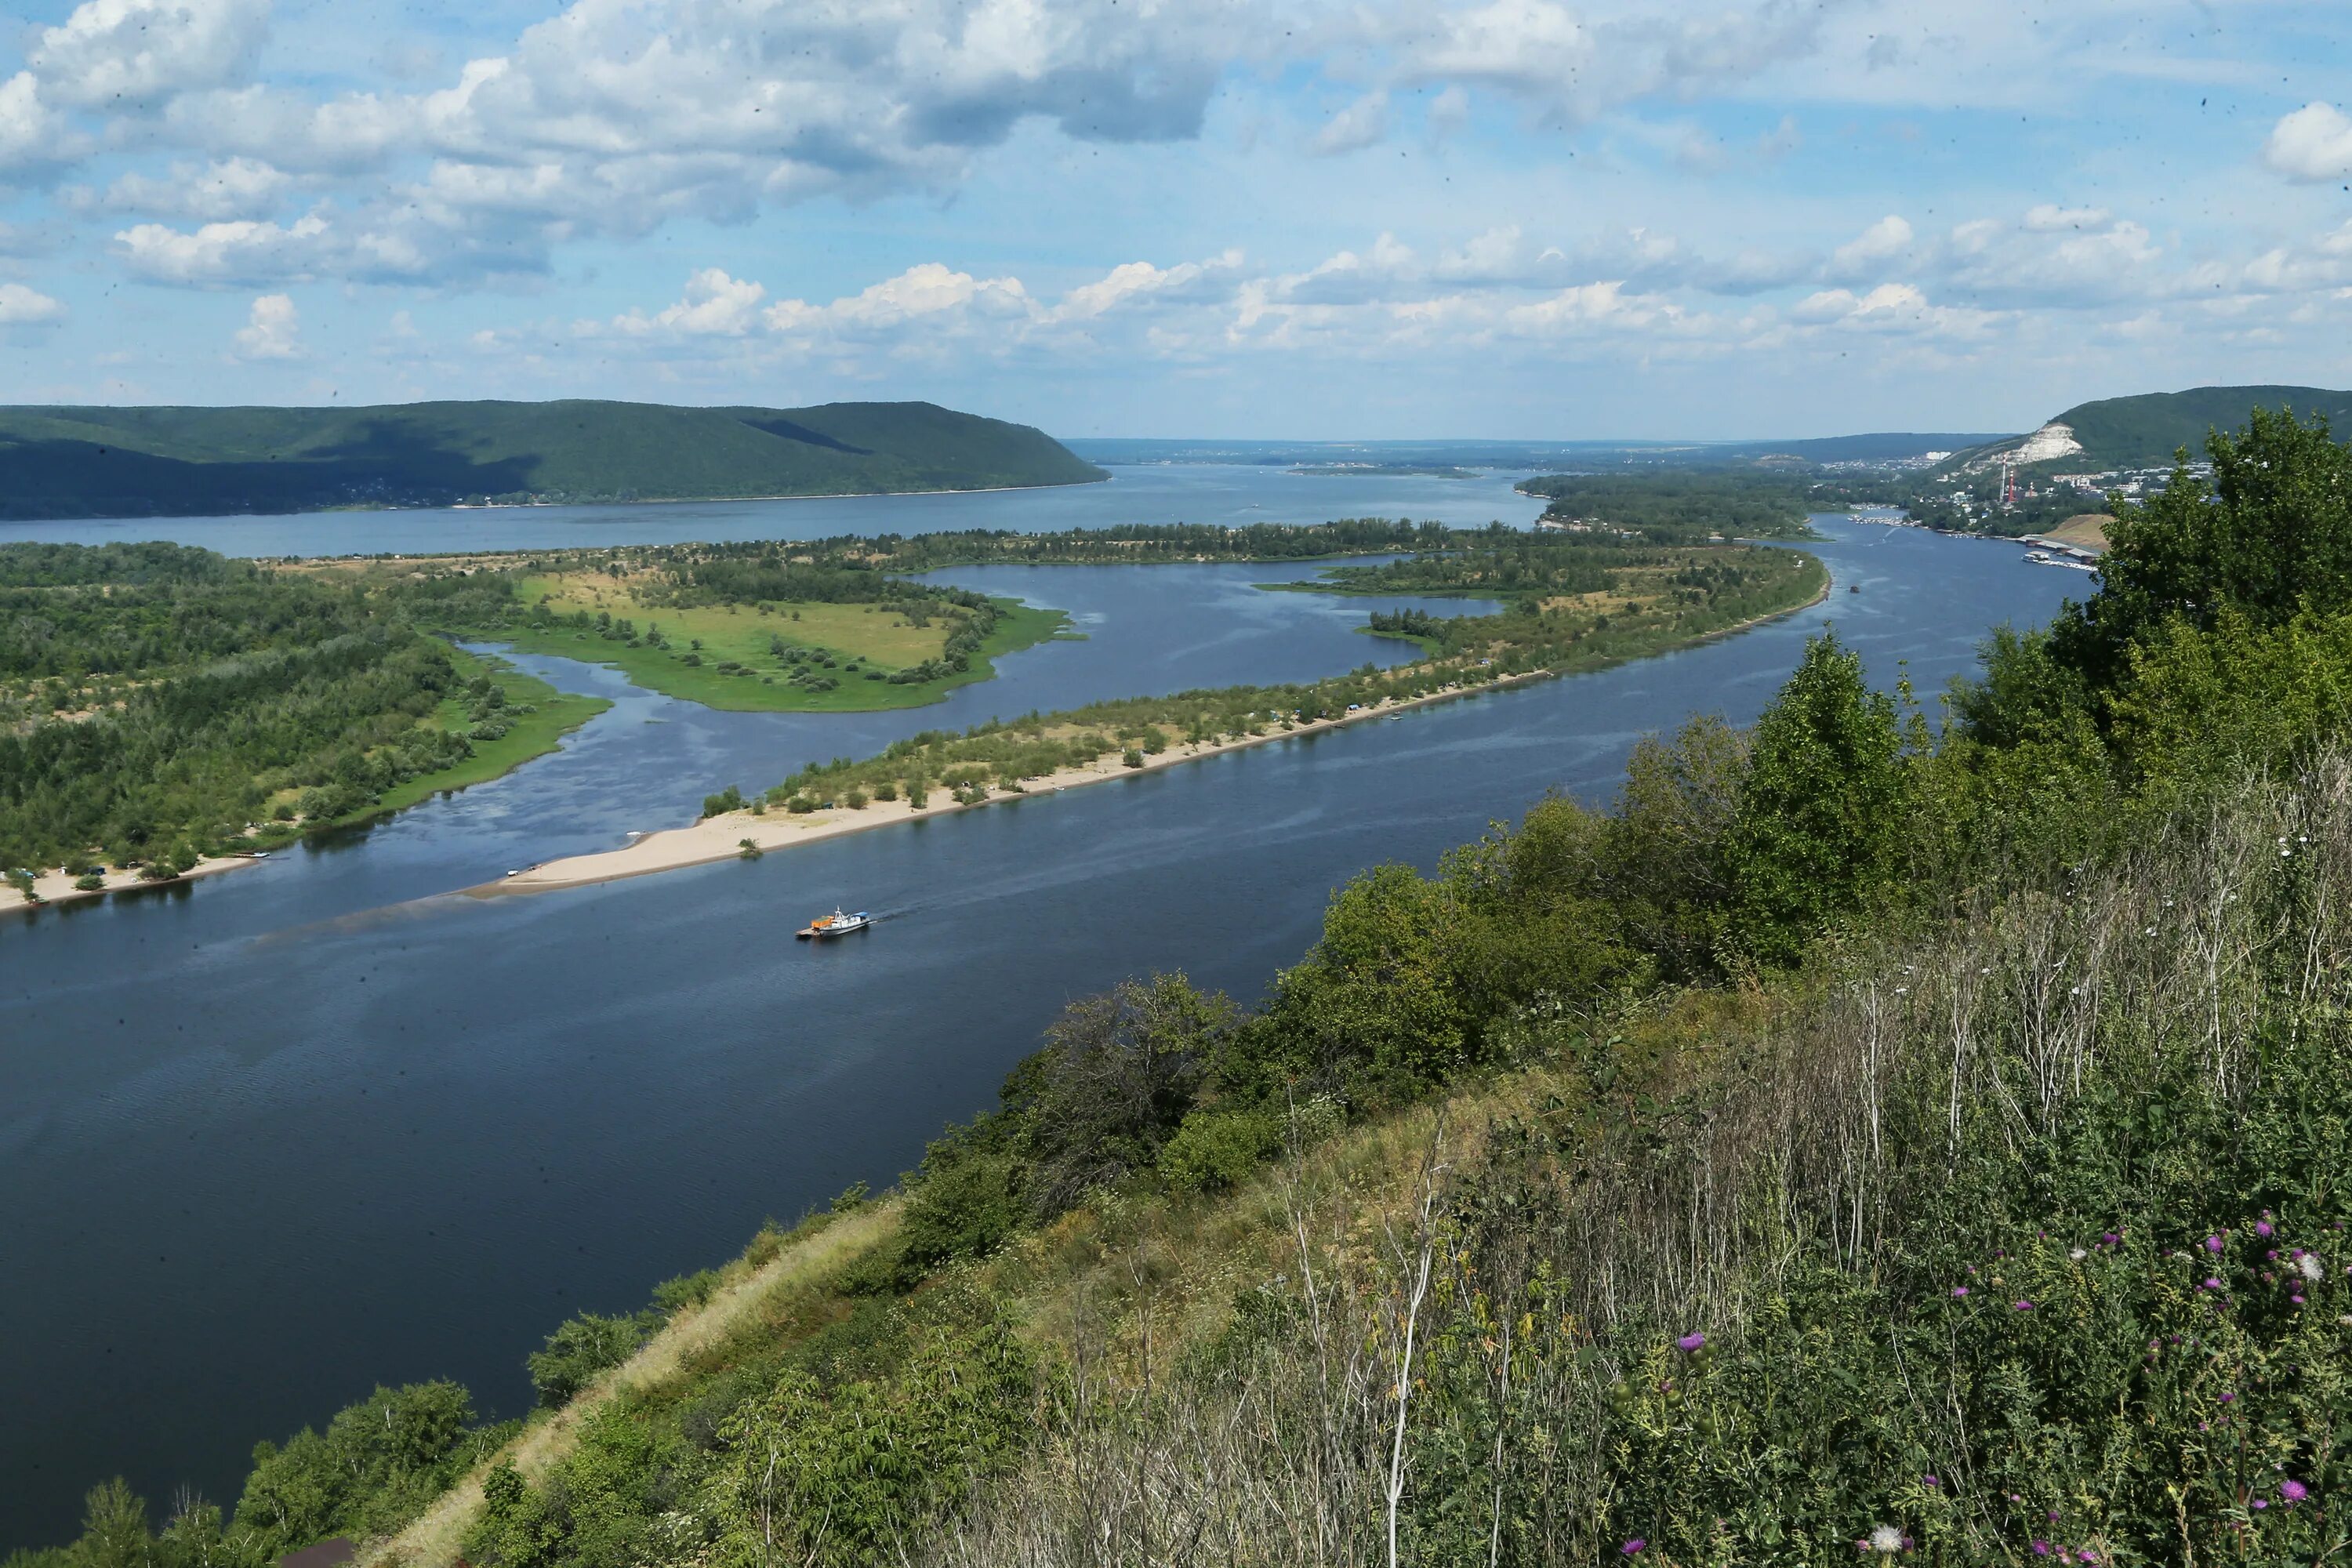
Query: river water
x=270, y=1139
x=1228, y=493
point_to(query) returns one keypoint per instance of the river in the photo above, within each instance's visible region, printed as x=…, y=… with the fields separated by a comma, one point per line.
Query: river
x=270, y=1139
x=1230, y=493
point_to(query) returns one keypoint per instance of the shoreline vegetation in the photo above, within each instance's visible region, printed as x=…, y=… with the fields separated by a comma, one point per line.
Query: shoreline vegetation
x=195, y=710
x=537, y=718
x=1047, y=754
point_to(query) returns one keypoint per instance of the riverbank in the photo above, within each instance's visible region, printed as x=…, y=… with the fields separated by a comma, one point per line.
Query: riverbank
x=553, y=715
x=58, y=887
x=745, y=834
x=722, y=838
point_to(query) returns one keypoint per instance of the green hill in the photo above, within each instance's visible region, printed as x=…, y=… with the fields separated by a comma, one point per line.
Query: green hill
x=145, y=462
x=2144, y=432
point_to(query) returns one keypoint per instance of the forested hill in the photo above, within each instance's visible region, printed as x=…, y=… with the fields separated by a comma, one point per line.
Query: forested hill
x=161, y=461
x=2144, y=432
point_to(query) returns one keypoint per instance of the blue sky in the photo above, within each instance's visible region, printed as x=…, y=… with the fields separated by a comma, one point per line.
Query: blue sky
x=1526, y=218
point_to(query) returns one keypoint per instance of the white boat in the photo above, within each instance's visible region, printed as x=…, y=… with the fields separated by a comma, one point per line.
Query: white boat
x=835, y=924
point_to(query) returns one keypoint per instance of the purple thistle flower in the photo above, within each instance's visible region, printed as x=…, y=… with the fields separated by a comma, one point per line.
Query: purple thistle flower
x=1958, y=1291
x=2088, y=1555
x=2021, y=1306
x=1690, y=1341
x=2212, y=1244
x=1931, y=1480
x=2262, y=1227
x=2229, y=1399
x=2212, y=1283
x=2294, y=1491
x=2040, y=1547
x=1632, y=1548
x=2261, y=1502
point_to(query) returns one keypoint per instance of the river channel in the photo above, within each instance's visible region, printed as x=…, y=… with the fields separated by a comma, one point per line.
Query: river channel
x=268, y=1140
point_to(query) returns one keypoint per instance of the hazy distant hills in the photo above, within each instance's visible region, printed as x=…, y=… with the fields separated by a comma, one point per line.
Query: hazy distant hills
x=2144, y=432
x=145, y=462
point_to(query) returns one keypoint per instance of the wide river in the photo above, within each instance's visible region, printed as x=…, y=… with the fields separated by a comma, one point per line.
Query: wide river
x=268, y=1140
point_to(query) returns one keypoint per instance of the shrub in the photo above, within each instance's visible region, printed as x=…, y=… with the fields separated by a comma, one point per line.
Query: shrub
x=856, y=800
x=1132, y=757
x=583, y=1347
x=90, y=882
x=1215, y=1149
x=886, y=791
x=726, y=800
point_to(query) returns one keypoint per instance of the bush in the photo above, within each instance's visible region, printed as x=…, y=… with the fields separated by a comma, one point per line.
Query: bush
x=583, y=1347
x=800, y=805
x=726, y=800
x=90, y=882
x=1216, y=1148
x=886, y=791
x=856, y=800
x=1132, y=757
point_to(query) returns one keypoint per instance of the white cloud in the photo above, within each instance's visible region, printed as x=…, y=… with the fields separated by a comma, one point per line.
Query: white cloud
x=32, y=131
x=228, y=189
x=23, y=307
x=1135, y=281
x=1882, y=242
x=223, y=254
x=1359, y=125
x=2313, y=143
x=117, y=56
x=272, y=331
x=714, y=303
x=925, y=293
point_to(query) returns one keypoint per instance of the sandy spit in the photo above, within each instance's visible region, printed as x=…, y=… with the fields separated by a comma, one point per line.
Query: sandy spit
x=57, y=887
x=720, y=837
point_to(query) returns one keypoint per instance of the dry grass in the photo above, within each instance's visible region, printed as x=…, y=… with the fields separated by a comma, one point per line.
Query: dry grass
x=750, y=1295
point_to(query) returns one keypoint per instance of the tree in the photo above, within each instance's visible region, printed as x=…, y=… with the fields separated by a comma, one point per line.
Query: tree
x=583, y=1347
x=1820, y=812
x=1118, y=1074
x=2271, y=532
x=114, y=1528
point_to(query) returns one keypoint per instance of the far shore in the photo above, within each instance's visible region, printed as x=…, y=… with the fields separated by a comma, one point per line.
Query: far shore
x=722, y=838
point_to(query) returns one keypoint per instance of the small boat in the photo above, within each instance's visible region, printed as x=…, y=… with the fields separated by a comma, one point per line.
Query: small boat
x=835, y=924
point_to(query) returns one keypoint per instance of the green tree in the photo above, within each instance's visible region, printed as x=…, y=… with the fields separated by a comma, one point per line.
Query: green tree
x=2269, y=533
x=1822, y=810
x=583, y=1347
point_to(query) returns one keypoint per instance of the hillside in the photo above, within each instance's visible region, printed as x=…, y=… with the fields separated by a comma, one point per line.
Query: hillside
x=2144, y=432
x=161, y=461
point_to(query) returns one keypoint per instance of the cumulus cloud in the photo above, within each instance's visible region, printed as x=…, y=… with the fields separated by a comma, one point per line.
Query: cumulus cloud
x=124, y=54
x=271, y=331
x=228, y=189
x=1882, y=242
x=23, y=307
x=32, y=131
x=1360, y=124
x=714, y=303
x=2313, y=143
x=242, y=251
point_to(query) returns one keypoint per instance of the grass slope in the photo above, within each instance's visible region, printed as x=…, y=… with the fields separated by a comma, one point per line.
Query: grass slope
x=93, y=462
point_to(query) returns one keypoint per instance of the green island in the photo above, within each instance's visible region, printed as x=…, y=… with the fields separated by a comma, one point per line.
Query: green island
x=161, y=706
x=1865, y=1135
x=61, y=461
x=1570, y=604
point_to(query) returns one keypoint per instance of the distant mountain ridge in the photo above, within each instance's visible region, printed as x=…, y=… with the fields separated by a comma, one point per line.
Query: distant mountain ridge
x=60, y=461
x=2145, y=431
